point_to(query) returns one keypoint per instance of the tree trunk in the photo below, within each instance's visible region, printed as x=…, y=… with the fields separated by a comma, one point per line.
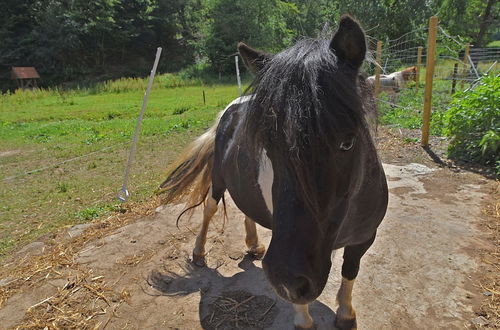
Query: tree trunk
x=485, y=23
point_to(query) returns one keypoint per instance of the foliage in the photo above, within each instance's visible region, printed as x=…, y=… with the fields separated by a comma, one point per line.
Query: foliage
x=407, y=112
x=495, y=43
x=68, y=39
x=473, y=123
x=87, y=41
x=260, y=23
x=464, y=17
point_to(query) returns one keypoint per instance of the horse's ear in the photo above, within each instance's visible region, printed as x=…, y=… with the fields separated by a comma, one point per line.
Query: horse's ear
x=253, y=59
x=349, y=42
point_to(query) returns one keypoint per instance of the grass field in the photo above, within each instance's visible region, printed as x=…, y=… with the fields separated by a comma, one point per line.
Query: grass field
x=62, y=153
x=44, y=129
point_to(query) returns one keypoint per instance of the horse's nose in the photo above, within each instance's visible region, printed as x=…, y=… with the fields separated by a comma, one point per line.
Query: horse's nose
x=299, y=287
x=295, y=287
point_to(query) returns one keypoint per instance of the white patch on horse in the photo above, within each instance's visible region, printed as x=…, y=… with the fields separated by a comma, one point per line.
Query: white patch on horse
x=302, y=317
x=239, y=100
x=265, y=179
x=210, y=133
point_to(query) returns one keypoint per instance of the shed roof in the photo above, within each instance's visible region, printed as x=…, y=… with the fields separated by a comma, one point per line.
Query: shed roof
x=24, y=72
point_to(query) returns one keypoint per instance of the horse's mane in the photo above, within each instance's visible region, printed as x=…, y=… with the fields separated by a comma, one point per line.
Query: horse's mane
x=303, y=100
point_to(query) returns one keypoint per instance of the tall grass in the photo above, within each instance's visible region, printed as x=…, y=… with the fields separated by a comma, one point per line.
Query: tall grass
x=124, y=85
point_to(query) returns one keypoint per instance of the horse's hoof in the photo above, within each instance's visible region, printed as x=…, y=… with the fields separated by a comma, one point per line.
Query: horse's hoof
x=257, y=252
x=199, y=260
x=345, y=324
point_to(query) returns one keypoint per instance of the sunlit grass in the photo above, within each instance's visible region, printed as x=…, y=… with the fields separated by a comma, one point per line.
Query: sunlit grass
x=92, y=128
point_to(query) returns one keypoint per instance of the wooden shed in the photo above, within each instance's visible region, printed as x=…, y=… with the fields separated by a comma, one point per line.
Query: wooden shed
x=25, y=76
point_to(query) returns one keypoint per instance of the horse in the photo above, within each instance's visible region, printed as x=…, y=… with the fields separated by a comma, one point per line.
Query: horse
x=297, y=156
x=394, y=82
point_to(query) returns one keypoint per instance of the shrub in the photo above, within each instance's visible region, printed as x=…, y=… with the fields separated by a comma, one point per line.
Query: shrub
x=473, y=123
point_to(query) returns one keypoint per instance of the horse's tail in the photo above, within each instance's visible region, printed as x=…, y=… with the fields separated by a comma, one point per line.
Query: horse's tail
x=189, y=177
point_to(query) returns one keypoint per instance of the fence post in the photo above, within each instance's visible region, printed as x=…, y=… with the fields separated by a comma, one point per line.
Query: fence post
x=237, y=73
x=419, y=65
x=454, y=78
x=466, y=62
x=378, y=68
x=429, y=73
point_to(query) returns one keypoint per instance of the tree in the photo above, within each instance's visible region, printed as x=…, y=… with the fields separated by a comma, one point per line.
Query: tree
x=490, y=14
x=260, y=23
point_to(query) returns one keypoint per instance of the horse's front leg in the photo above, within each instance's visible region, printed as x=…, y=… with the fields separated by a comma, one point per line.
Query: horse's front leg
x=199, y=247
x=252, y=239
x=346, y=316
x=302, y=318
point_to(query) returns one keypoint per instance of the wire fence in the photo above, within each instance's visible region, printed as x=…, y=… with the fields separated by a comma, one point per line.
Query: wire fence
x=404, y=74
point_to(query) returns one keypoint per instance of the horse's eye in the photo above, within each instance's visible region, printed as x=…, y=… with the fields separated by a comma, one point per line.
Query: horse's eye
x=347, y=144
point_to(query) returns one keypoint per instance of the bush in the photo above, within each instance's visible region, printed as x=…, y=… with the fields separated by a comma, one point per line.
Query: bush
x=473, y=123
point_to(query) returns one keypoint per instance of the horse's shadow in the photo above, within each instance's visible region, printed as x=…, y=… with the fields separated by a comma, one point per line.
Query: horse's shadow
x=220, y=295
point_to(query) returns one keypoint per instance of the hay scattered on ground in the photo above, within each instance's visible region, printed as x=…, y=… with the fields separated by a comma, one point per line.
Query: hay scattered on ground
x=240, y=310
x=86, y=296
x=76, y=305
x=489, y=283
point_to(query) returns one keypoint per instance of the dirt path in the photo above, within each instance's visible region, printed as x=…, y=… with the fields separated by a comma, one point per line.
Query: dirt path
x=418, y=275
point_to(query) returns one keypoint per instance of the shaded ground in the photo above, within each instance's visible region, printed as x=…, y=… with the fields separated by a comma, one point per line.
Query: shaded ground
x=423, y=272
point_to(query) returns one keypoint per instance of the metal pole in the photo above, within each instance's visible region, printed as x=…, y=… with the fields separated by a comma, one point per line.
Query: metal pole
x=123, y=194
x=454, y=78
x=473, y=67
x=464, y=72
x=429, y=74
x=237, y=73
x=378, y=68
x=419, y=65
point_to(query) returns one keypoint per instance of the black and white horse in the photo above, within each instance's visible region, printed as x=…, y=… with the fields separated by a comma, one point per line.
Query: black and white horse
x=297, y=156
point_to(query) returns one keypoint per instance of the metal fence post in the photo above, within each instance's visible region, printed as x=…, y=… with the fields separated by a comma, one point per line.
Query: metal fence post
x=378, y=68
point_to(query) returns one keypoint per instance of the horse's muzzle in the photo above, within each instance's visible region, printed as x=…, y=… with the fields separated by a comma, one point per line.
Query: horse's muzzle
x=296, y=288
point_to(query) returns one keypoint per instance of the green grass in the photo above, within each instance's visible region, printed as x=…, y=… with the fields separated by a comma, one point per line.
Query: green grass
x=495, y=43
x=92, y=128
x=44, y=128
x=407, y=113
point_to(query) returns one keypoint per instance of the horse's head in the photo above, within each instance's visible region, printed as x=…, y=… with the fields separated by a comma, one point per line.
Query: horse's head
x=307, y=114
x=410, y=73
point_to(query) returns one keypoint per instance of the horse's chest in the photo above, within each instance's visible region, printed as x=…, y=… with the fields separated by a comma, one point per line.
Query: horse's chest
x=265, y=180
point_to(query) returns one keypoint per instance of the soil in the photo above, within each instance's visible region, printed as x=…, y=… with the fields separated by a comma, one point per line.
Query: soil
x=424, y=271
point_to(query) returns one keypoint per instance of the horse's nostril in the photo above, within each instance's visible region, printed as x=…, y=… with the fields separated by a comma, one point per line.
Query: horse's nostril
x=302, y=286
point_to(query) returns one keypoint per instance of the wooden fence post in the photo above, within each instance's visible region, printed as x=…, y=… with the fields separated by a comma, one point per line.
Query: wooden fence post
x=466, y=64
x=454, y=78
x=378, y=68
x=419, y=65
x=429, y=74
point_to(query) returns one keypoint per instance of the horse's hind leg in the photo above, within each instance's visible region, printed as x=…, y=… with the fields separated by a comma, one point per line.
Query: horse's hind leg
x=208, y=213
x=252, y=239
x=346, y=316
